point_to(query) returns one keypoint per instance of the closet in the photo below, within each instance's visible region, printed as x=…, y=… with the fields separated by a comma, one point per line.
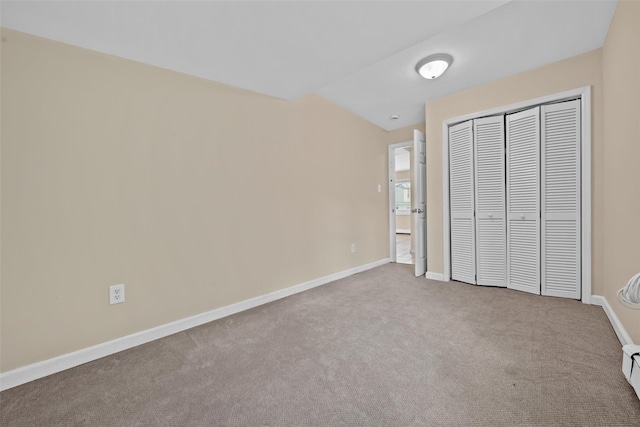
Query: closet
x=515, y=200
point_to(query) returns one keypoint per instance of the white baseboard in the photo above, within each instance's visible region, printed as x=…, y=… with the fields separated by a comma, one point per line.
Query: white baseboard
x=434, y=276
x=403, y=231
x=622, y=334
x=42, y=369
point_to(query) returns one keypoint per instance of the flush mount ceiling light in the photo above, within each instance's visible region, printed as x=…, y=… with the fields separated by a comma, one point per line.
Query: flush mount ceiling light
x=433, y=66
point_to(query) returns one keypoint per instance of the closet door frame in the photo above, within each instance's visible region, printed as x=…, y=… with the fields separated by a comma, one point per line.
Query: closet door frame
x=584, y=95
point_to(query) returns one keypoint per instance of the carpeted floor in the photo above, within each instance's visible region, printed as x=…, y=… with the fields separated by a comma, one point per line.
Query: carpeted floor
x=377, y=348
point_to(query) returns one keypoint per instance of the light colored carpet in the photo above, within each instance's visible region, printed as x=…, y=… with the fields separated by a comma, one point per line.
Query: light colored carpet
x=377, y=348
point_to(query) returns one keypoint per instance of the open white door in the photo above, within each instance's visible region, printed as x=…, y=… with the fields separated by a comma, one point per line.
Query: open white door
x=419, y=201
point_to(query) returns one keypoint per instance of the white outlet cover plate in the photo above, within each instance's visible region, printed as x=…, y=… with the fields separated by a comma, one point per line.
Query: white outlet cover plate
x=116, y=294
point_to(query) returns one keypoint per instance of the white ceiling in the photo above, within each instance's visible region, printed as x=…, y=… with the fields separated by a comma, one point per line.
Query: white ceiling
x=359, y=54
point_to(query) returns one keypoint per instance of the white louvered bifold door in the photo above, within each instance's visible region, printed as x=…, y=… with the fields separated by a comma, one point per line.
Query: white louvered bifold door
x=491, y=234
x=463, y=245
x=560, y=198
x=523, y=209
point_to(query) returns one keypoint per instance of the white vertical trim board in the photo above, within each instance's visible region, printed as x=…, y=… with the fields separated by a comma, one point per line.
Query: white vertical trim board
x=446, y=209
x=621, y=332
x=42, y=369
x=392, y=201
x=584, y=94
x=585, y=106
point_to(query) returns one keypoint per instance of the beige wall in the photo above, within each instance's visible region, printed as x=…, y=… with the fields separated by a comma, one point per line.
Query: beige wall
x=403, y=175
x=621, y=78
x=117, y=172
x=403, y=134
x=575, y=72
x=403, y=222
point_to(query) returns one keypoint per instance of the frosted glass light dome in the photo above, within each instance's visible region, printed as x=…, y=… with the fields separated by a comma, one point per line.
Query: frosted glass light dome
x=433, y=66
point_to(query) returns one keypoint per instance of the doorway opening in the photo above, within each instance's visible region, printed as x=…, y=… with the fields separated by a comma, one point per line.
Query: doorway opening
x=401, y=221
x=404, y=251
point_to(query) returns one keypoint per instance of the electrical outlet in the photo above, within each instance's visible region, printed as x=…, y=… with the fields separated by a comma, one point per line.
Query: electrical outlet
x=353, y=247
x=116, y=294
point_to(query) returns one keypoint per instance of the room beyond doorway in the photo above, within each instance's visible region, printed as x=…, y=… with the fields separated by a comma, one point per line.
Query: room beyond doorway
x=404, y=234
x=400, y=192
x=403, y=249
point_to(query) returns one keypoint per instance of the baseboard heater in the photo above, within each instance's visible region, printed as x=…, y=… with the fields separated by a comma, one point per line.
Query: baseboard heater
x=631, y=366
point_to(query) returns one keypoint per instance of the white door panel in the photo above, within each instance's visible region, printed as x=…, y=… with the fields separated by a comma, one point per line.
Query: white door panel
x=491, y=235
x=523, y=208
x=461, y=181
x=419, y=201
x=560, y=175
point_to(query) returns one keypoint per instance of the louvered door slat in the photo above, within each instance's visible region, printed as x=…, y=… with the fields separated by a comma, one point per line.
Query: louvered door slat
x=463, y=258
x=561, y=253
x=490, y=201
x=523, y=189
